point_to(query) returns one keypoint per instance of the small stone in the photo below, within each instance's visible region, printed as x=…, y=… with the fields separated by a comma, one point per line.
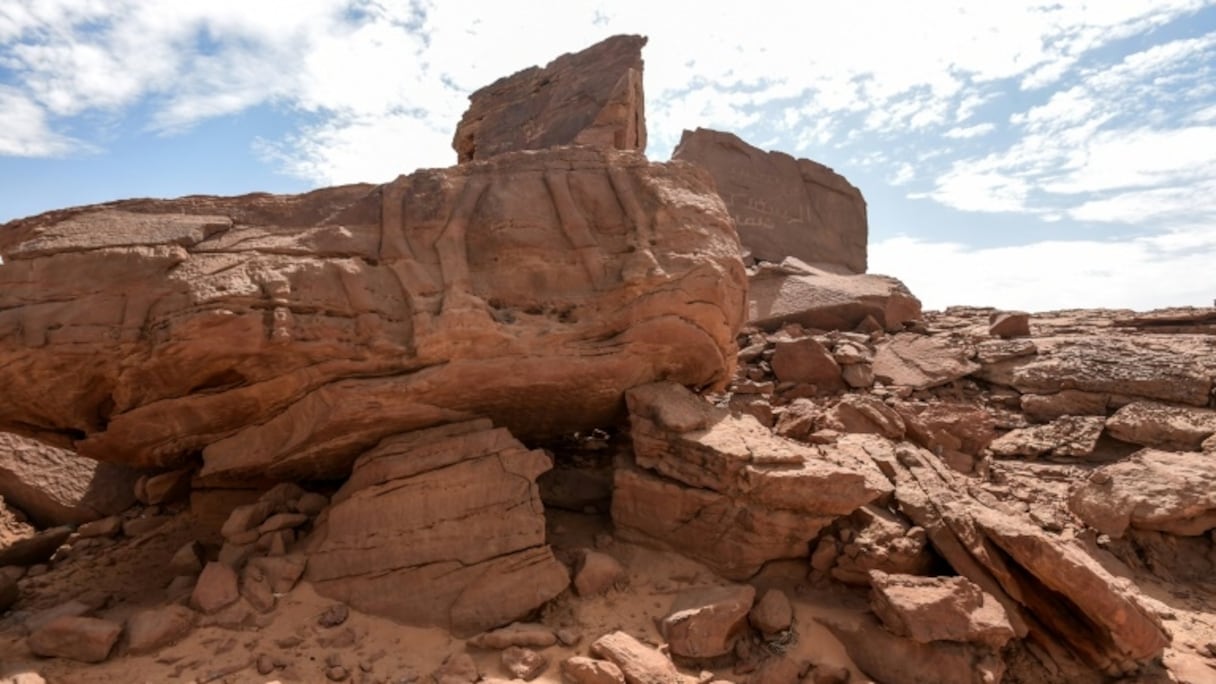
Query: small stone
x=216, y=588
x=86, y=639
x=583, y=670
x=282, y=572
x=569, y=636
x=337, y=673
x=705, y=623
x=235, y=555
x=283, y=496
x=773, y=613
x=597, y=573
x=247, y=517
x=265, y=664
x=138, y=527
x=165, y=487
x=457, y=668
x=527, y=634
x=282, y=521
x=153, y=629
x=188, y=560
x=334, y=615
x=106, y=527
x=524, y=663
x=1009, y=324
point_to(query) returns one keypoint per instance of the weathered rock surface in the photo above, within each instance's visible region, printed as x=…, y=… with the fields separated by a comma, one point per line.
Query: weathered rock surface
x=34, y=549
x=283, y=335
x=795, y=292
x=1162, y=426
x=217, y=588
x=524, y=634
x=773, y=613
x=590, y=97
x=56, y=487
x=1066, y=436
x=455, y=509
x=86, y=639
x=704, y=623
x=920, y=361
x=1052, y=589
x=156, y=628
x=896, y=660
x=724, y=490
x=583, y=670
x=638, y=662
x=783, y=207
x=872, y=538
x=928, y=609
x=1153, y=490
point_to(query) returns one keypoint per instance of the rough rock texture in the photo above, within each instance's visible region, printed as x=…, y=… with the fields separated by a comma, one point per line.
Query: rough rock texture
x=1153, y=490
x=929, y=609
x=1066, y=436
x=1053, y=590
x=590, y=97
x=724, y=490
x=455, y=509
x=86, y=639
x=896, y=660
x=872, y=538
x=54, y=486
x=921, y=362
x=794, y=292
x=704, y=623
x=37, y=548
x=783, y=206
x=638, y=662
x=583, y=670
x=1151, y=424
x=155, y=628
x=773, y=613
x=283, y=335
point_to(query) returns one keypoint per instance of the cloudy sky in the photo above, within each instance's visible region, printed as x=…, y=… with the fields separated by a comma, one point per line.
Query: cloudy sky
x=1031, y=155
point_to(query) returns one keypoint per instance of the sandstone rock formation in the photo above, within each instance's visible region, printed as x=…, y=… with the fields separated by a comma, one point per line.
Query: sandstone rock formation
x=54, y=486
x=280, y=336
x=454, y=509
x=1152, y=490
x=783, y=207
x=724, y=490
x=590, y=97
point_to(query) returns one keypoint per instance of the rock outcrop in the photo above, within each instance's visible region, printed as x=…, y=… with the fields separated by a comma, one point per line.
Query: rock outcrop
x=280, y=336
x=1152, y=490
x=591, y=97
x=54, y=486
x=783, y=207
x=724, y=490
x=453, y=509
x=794, y=292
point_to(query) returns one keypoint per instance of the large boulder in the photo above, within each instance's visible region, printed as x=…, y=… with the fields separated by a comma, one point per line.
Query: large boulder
x=784, y=207
x=795, y=292
x=54, y=486
x=1153, y=424
x=590, y=97
x=724, y=490
x=452, y=510
x=281, y=336
x=1153, y=490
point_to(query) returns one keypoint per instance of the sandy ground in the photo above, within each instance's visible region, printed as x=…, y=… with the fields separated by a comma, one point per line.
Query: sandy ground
x=130, y=575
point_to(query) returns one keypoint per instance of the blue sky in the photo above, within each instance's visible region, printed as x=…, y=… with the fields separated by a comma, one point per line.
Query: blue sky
x=1033, y=155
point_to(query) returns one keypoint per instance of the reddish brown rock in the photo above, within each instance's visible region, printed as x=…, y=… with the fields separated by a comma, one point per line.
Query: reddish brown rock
x=164, y=487
x=920, y=361
x=773, y=613
x=1048, y=407
x=1066, y=437
x=86, y=639
x=590, y=97
x=639, y=663
x=896, y=660
x=34, y=549
x=872, y=538
x=153, y=629
x=597, y=573
x=523, y=663
x=9, y=592
x=1009, y=324
x=283, y=335
x=455, y=509
x=725, y=491
x=1162, y=426
x=784, y=207
x=1153, y=490
x=216, y=588
x=794, y=292
x=805, y=360
x=56, y=487
x=523, y=634
x=863, y=414
x=704, y=623
x=928, y=609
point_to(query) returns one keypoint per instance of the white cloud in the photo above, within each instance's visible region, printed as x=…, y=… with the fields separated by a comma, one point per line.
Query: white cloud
x=1144, y=273
x=25, y=132
x=970, y=131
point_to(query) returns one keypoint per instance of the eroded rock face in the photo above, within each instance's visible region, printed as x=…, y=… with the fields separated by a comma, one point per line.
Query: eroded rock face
x=590, y=97
x=784, y=207
x=724, y=490
x=56, y=487
x=283, y=335
x=1153, y=490
x=453, y=511
x=929, y=609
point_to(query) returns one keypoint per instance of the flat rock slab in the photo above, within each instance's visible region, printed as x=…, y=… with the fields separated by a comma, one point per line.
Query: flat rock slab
x=795, y=292
x=281, y=336
x=35, y=549
x=1066, y=436
x=639, y=663
x=54, y=486
x=921, y=362
x=784, y=207
x=590, y=97
x=928, y=609
x=1162, y=426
